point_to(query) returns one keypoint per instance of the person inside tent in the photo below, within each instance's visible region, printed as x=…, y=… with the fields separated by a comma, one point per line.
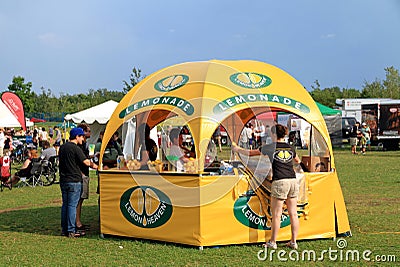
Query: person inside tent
x=112, y=151
x=148, y=147
x=177, y=155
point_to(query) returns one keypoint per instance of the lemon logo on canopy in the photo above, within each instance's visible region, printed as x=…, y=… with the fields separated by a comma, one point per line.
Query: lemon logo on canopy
x=146, y=206
x=250, y=80
x=248, y=211
x=171, y=83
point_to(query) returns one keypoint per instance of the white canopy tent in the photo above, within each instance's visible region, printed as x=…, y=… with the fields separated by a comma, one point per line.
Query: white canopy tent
x=96, y=117
x=7, y=119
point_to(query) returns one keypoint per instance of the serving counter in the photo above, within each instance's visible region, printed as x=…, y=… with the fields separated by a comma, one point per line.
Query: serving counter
x=201, y=209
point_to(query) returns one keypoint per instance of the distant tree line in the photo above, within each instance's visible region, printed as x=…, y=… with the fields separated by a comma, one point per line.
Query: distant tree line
x=47, y=102
x=388, y=88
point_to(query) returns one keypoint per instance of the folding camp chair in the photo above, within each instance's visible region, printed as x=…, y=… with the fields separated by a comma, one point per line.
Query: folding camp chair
x=5, y=170
x=33, y=177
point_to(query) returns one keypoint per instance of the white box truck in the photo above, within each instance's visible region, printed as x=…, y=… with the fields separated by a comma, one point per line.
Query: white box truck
x=351, y=107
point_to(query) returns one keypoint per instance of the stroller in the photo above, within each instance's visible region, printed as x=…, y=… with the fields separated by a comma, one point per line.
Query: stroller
x=5, y=171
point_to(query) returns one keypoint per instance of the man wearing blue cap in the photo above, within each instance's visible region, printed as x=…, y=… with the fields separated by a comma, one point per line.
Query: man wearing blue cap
x=71, y=161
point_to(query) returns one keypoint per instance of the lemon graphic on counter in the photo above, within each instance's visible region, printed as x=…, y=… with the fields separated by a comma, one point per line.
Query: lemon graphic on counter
x=146, y=206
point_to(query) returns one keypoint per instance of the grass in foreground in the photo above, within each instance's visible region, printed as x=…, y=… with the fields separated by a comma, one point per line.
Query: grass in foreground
x=30, y=226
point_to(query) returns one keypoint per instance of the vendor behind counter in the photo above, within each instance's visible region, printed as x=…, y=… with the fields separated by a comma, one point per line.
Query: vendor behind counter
x=111, y=153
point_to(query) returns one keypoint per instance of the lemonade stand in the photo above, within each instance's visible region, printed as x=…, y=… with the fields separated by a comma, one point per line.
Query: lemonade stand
x=199, y=206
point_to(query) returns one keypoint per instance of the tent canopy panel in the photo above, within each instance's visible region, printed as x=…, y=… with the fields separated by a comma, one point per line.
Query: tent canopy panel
x=96, y=117
x=7, y=119
x=206, y=93
x=100, y=113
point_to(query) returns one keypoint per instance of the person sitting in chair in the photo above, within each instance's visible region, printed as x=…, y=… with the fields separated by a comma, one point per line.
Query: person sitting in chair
x=48, y=151
x=25, y=168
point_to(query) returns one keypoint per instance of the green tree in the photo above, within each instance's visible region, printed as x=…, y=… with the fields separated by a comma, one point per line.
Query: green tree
x=65, y=103
x=134, y=79
x=374, y=89
x=388, y=88
x=350, y=93
x=23, y=91
x=326, y=96
x=316, y=92
x=46, y=102
x=392, y=83
x=100, y=95
x=317, y=86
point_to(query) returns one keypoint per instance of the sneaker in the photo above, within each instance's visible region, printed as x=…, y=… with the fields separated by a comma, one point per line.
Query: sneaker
x=292, y=245
x=269, y=244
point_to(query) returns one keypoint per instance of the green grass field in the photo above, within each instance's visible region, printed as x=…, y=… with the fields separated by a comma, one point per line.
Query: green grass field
x=30, y=226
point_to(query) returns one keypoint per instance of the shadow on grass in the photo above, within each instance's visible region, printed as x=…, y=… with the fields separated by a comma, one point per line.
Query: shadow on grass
x=45, y=220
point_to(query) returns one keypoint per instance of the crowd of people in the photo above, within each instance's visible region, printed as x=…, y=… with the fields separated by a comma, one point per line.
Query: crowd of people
x=33, y=138
x=74, y=163
x=40, y=145
x=254, y=136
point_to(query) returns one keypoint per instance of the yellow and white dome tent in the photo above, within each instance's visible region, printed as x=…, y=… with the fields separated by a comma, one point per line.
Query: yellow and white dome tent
x=202, y=209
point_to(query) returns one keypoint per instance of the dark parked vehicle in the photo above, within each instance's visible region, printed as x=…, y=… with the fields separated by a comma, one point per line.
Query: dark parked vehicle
x=347, y=124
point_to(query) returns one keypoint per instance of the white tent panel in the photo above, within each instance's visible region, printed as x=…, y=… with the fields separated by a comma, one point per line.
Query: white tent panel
x=129, y=136
x=129, y=133
x=100, y=113
x=96, y=117
x=7, y=119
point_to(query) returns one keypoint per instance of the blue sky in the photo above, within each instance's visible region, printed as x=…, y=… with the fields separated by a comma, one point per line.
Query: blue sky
x=76, y=45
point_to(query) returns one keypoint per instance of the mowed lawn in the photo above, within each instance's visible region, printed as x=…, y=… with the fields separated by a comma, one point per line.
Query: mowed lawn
x=30, y=227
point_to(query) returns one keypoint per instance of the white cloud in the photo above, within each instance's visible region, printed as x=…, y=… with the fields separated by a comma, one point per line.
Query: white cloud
x=50, y=39
x=240, y=36
x=328, y=36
